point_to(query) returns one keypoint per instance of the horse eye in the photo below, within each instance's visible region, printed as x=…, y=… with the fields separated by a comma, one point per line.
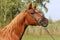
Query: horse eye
x=32, y=13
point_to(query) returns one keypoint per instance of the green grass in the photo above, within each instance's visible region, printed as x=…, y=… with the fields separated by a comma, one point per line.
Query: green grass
x=40, y=37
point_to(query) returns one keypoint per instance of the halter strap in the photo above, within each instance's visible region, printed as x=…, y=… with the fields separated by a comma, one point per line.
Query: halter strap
x=33, y=17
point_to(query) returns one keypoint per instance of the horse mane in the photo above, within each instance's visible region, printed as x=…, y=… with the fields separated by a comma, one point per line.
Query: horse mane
x=14, y=23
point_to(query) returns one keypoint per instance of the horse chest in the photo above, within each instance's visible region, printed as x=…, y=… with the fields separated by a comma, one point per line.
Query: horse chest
x=8, y=36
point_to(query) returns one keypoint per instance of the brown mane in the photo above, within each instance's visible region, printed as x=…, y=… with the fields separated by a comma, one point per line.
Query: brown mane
x=13, y=26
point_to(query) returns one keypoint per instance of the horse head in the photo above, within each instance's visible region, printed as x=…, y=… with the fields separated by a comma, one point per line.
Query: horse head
x=34, y=17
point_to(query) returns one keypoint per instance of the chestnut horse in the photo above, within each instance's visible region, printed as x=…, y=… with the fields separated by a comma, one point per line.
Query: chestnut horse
x=16, y=29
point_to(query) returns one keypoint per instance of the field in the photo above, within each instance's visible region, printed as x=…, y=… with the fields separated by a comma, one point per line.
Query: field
x=40, y=37
x=9, y=10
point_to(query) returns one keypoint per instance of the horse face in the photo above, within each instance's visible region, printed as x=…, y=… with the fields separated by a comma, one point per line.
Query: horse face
x=36, y=18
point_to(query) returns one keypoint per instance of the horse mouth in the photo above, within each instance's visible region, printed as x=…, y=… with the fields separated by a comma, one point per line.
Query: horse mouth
x=44, y=23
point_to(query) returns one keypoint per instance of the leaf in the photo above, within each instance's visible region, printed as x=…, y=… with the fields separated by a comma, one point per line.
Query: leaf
x=46, y=9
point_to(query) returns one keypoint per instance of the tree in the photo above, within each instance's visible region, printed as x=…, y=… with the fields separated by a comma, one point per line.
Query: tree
x=10, y=8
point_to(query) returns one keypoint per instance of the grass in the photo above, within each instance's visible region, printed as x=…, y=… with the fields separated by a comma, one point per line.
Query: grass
x=40, y=37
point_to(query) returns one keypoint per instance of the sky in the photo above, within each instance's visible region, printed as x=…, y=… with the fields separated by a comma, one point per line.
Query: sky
x=53, y=10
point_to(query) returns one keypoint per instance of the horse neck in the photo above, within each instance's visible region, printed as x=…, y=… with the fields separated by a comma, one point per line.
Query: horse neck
x=17, y=26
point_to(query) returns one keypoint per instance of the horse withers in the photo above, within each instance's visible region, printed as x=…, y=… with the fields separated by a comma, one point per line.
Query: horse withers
x=16, y=29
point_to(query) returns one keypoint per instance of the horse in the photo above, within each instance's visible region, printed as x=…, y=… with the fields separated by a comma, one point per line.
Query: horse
x=16, y=28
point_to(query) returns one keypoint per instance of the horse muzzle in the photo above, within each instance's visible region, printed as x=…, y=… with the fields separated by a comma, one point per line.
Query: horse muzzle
x=43, y=22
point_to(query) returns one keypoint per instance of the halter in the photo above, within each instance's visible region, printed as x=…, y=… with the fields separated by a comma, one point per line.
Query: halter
x=32, y=15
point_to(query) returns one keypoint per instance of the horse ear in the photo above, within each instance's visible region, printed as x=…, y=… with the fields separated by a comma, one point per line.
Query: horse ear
x=30, y=6
x=35, y=5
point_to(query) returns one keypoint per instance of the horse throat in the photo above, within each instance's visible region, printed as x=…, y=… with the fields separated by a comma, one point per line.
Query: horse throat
x=20, y=28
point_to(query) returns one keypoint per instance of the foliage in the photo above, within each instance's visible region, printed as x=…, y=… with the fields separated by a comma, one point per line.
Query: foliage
x=42, y=3
x=10, y=8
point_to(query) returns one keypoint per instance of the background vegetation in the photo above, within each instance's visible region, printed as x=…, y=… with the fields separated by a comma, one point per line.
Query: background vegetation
x=10, y=8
